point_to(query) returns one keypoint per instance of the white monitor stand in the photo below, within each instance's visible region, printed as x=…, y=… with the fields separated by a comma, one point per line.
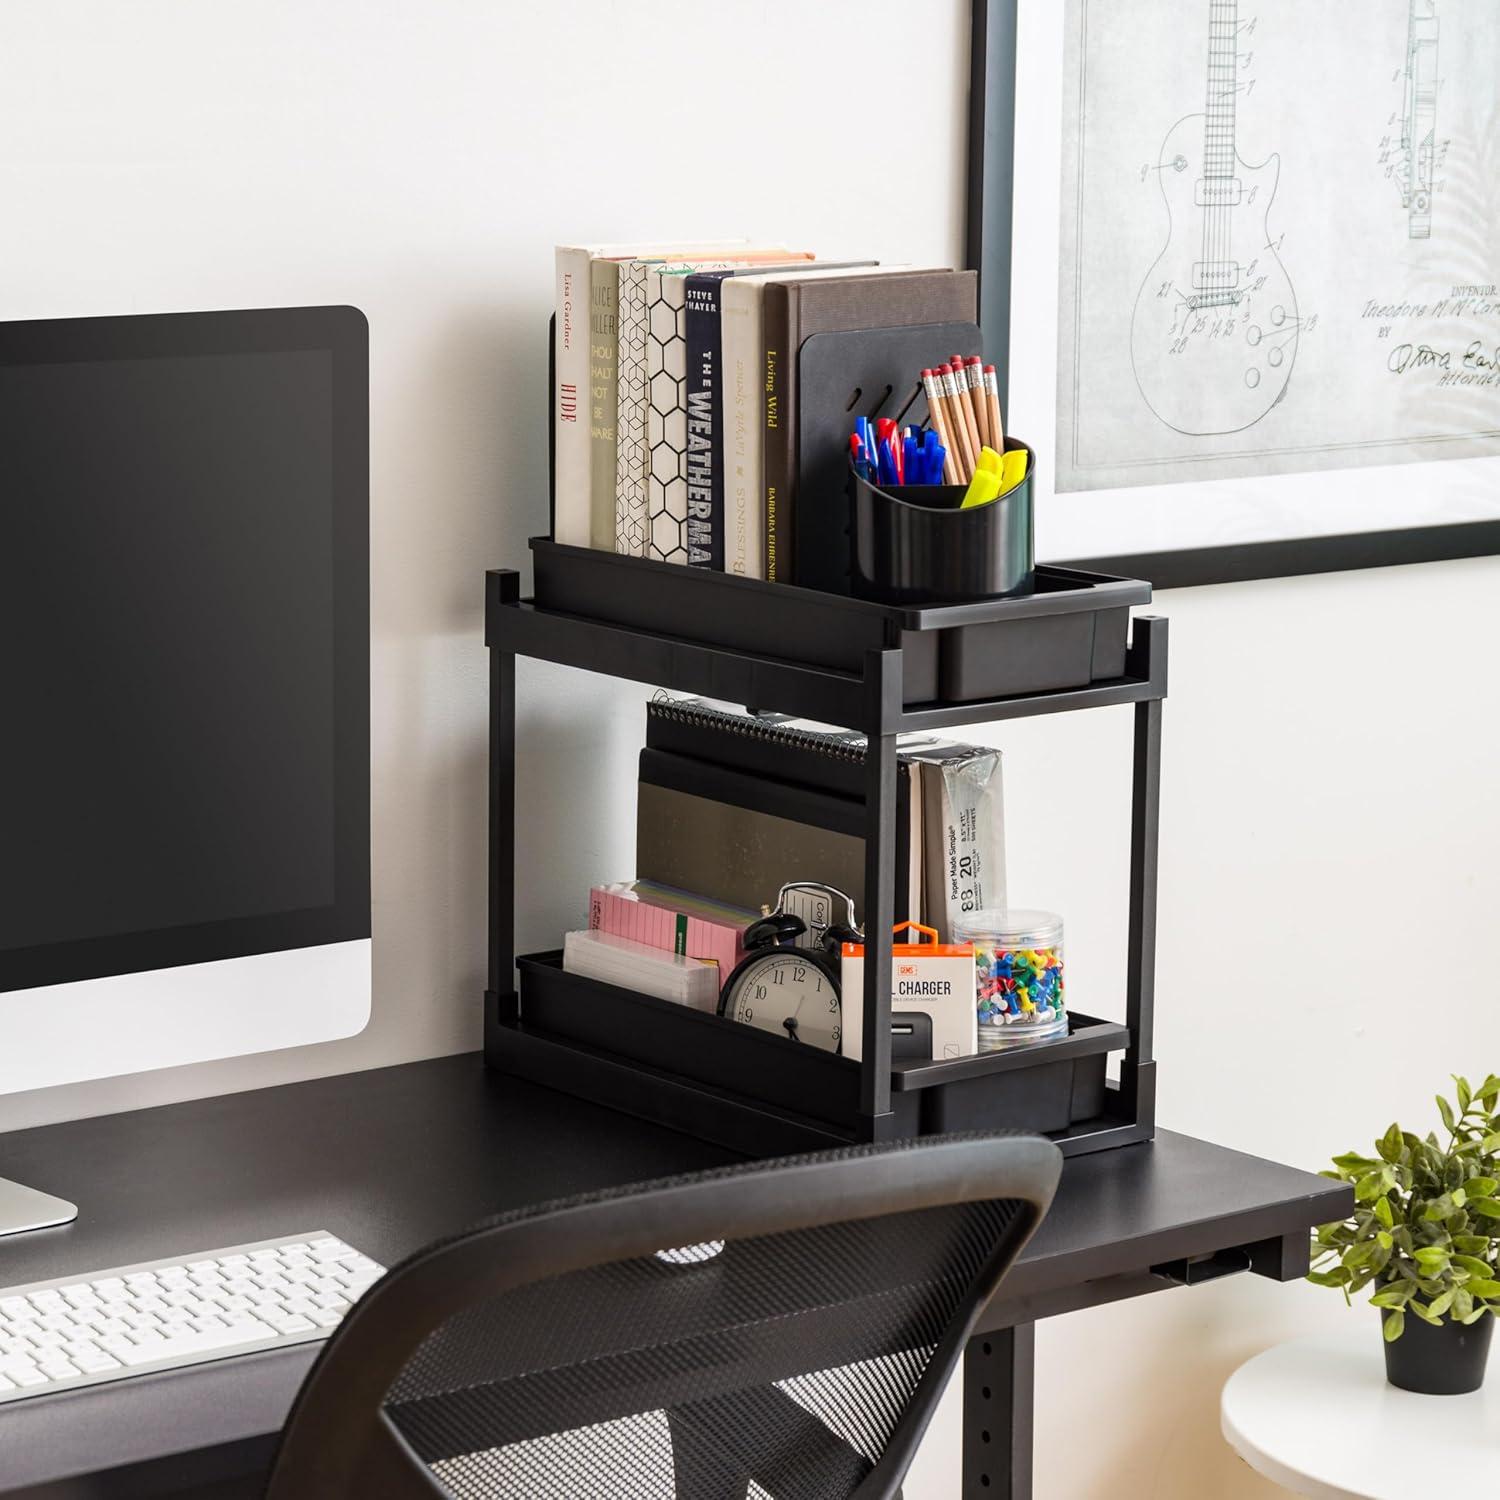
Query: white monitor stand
x=23, y=1208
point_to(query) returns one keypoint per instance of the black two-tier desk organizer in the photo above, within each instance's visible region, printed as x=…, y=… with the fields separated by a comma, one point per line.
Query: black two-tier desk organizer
x=879, y=669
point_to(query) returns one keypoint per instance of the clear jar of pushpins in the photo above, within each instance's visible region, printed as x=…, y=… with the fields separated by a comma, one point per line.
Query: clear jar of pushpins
x=1021, y=990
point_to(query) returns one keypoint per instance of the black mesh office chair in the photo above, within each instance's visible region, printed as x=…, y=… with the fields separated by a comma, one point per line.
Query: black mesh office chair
x=798, y=1340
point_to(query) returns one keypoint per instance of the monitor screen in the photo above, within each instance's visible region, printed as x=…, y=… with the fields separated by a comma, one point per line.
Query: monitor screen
x=176, y=589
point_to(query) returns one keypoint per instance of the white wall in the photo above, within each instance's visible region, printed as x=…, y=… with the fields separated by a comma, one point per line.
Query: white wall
x=1329, y=812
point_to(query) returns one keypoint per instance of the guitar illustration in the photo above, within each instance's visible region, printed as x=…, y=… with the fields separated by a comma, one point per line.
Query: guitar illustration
x=1419, y=118
x=1214, y=335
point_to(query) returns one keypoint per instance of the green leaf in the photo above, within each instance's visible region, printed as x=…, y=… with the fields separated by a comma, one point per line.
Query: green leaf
x=1370, y=1186
x=1439, y=1305
x=1465, y=1093
x=1386, y=1240
x=1391, y=1144
x=1480, y=1187
x=1476, y=1315
x=1394, y=1296
x=1490, y=1143
x=1473, y=1265
x=1383, y=1212
x=1471, y=1244
x=1488, y=1208
x=1483, y=1288
x=1463, y=1303
x=1446, y=1111
x=1438, y=1209
x=1337, y=1277
x=1424, y=1313
x=1432, y=1259
x=1395, y=1325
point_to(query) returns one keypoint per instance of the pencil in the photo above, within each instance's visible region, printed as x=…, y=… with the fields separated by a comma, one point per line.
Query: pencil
x=959, y=421
x=992, y=401
x=937, y=406
x=971, y=411
x=974, y=375
x=959, y=396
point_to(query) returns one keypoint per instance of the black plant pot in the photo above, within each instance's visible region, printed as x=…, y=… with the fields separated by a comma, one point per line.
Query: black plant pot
x=1444, y=1361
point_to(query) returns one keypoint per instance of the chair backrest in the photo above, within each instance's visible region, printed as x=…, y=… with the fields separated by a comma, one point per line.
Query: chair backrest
x=782, y=1328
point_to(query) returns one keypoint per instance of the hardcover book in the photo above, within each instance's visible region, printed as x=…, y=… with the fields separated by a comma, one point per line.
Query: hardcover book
x=604, y=302
x=632, y=455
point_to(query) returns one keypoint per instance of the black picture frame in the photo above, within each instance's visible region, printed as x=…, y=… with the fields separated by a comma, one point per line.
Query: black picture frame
x=991, y=183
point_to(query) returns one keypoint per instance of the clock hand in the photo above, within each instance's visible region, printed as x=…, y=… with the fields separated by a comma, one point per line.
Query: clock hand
x=791, y=1028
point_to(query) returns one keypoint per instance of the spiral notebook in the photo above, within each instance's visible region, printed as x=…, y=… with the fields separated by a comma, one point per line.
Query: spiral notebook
x=757, y=765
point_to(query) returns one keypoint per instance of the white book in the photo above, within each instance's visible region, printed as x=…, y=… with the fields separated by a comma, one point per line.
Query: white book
x=573, y=474
x=745, y=409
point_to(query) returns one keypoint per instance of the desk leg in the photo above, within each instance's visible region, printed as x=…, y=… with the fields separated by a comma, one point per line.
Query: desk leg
x=999, y=1386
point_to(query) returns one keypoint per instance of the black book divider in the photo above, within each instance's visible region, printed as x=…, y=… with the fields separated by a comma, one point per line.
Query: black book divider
x=871, y=372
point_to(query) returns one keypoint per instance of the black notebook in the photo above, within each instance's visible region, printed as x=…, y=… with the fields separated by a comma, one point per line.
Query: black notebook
x=773, y=803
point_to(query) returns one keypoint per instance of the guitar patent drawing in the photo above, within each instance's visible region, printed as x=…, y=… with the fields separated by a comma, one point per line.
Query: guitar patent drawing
x=1419, y=118
x=1215, y=329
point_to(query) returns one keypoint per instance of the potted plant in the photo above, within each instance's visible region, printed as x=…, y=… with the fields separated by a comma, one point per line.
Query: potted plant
x=1425, y=1234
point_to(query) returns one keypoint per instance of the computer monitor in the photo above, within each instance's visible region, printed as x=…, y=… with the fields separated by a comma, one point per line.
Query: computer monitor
x=184, y=690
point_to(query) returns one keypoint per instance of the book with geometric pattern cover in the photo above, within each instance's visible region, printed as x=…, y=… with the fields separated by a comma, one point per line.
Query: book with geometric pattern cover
x=666, y=402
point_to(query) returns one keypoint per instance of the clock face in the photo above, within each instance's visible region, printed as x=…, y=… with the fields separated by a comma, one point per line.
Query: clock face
x=789, y=992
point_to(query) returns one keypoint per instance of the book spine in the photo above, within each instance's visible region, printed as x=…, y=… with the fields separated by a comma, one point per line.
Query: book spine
x=632, y=456
x=779, y=448
x=604, y=360
x=744, y=414
x=571, y=478
x=705, y=476
x=666, y=418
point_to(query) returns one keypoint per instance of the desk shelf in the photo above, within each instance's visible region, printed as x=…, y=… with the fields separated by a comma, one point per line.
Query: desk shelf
x=876, y=669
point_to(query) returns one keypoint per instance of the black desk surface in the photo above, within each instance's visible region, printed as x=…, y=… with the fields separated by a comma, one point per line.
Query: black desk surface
x=392, y=1158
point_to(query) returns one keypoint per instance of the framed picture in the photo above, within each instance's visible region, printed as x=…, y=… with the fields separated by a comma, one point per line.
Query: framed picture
x=1240, y=260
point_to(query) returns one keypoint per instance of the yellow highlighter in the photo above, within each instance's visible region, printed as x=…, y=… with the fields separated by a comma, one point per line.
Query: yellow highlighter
x=1013, y=470
x=994, y=476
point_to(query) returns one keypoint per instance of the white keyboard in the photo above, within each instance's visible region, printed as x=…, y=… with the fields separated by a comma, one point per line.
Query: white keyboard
x=77, y=1331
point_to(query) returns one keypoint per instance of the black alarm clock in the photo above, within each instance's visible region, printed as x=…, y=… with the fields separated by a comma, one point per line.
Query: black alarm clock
x=789, y=991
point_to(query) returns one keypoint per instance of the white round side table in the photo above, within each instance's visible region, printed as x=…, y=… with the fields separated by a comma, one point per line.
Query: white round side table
x=1317, y=1417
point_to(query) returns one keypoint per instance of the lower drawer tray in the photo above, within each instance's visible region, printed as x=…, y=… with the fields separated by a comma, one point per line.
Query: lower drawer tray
x=660, y=1054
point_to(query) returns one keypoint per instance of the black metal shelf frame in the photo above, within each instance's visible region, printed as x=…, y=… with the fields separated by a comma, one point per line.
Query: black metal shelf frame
x=870, y=702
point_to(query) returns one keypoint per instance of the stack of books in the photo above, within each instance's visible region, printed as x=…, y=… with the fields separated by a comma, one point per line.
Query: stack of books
x=675, y=399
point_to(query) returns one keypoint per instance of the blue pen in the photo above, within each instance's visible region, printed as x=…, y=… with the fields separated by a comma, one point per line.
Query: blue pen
x=887, y=463
x=915, y=470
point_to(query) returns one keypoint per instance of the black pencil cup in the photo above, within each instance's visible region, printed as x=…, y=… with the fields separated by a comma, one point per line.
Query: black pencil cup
x=912, y=544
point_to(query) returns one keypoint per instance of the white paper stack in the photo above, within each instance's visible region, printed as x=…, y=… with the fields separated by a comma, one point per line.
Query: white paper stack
x=648, y=971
